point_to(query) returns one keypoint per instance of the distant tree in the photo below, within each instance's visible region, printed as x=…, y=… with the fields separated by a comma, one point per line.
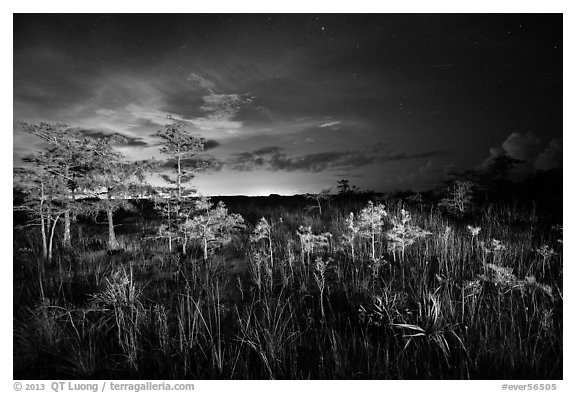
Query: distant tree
x=500, y=169
x=323, y=195
x=343, y=187
x=66, y=156
x=498, y=179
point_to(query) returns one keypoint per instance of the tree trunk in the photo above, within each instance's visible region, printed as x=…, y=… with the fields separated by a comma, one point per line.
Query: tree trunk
x=179, y=175
x=52, y=230
x=67, y=237
x=185, y=243
x=40, y=280
x=44, y=247
x=43, y=223
x=205, y=249
x=67, y=241
x=169, y=218
x=44, y=239
x=112, y=242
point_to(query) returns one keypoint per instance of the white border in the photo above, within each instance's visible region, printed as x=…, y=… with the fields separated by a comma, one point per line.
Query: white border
x=299, y=6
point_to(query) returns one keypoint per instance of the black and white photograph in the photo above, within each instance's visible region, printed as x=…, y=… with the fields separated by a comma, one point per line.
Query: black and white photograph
x=287, y=196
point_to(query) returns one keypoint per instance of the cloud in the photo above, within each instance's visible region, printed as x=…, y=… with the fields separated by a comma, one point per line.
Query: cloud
x=268, y=150
x=135, y=102
x=527, y=148
x=275, y=158
x=199, y=163
x=348, y=175
x=330, y=124
x=425, y=169
x=224, y=106
x=424, y=172
x=201, y=82
x=210, y=144
x=216, y=105
x=522, y=146
x=494, y=152
x=105, y=112
x=303, y=141
x=550, y=157
x=399, y=156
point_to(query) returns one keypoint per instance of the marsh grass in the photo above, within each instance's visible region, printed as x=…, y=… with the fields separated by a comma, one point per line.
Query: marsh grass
x=411, y=293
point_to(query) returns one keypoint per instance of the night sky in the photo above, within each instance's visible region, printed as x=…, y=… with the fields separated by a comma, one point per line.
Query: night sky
x=292, y=103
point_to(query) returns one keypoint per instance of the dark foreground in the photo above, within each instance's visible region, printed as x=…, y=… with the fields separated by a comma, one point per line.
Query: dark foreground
x=426, y=297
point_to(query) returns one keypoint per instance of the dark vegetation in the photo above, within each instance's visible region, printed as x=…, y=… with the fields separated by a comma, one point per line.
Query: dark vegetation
x=453, y=305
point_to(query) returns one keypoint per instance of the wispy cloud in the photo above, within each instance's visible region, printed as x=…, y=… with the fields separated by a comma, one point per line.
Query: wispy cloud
x=201, y=163
x=330, y=124
x=202, y=83
x=275, y=158
x=224, y=106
